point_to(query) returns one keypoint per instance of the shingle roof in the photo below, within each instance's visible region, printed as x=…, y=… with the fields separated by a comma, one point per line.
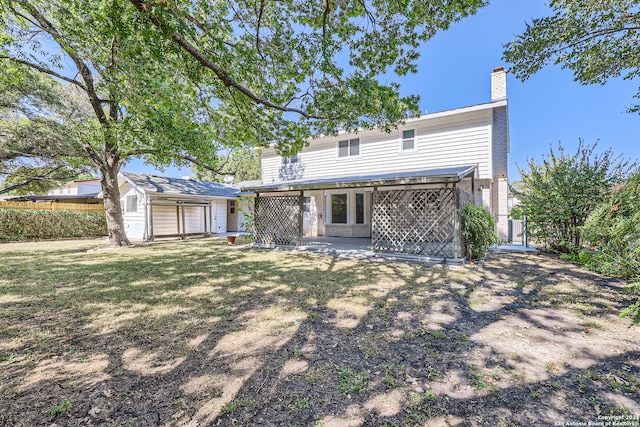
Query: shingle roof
x=162, y=185
x=426, y=176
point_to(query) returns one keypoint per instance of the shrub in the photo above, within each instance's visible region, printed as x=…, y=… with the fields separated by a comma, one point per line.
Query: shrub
x=478, y=230
x=17, y=225
x=558, y=193
x=612, y=237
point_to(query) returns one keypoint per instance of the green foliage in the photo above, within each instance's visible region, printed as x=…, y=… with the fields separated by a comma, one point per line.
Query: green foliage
x=559, y=193
x=241, y=164
x=612, y=232
x=478, y=230
x=612, y=238
x=60, y=408
x=17, y=225
x=350, y=382
x=596, y=39
x=40, y=122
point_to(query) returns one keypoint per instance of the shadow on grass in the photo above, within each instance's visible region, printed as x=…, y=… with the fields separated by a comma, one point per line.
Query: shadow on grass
x=185, y=332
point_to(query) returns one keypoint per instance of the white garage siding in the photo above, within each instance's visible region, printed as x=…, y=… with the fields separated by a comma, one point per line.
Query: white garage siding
x=133, y=215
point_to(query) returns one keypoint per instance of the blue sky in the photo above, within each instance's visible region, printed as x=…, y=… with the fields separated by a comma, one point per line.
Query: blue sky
x=454, y=71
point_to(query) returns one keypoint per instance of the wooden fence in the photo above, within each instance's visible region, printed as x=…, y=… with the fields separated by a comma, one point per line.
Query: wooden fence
x=49, y=206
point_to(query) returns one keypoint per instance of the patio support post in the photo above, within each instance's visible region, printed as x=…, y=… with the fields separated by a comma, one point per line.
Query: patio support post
x=184, y=228
x=457, y=224
x=211, y=217
x=204, y=208
x=373, y=198
x=255, y=212
x=178, y=217
x=150, y=237
x=300, y=218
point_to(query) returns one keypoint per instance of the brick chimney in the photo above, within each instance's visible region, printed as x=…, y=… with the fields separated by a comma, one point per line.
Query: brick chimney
x=498, y=84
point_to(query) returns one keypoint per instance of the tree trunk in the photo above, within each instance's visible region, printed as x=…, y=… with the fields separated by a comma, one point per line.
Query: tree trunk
x=113, y=211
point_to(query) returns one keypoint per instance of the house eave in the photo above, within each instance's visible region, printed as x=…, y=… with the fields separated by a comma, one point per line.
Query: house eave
x=385, y=180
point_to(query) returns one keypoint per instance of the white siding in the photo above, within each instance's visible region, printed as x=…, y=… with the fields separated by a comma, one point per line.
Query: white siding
x=134, y=222
x=89, y=188
x=454, y=140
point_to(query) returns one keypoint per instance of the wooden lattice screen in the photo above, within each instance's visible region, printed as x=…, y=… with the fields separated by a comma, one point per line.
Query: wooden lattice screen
x=276, y=220
x=417, y=222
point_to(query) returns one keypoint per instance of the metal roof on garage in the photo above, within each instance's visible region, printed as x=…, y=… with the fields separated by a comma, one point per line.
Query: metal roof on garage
x=426, y=176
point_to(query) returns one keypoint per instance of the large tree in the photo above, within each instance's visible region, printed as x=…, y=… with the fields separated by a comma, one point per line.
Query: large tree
x=38, y=146
x=177, y=81
x=596, y=39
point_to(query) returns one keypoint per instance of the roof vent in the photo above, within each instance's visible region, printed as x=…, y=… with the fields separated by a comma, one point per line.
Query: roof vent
x=185, y=177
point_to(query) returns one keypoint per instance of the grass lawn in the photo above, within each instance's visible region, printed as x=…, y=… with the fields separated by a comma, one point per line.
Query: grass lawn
x=201, y=333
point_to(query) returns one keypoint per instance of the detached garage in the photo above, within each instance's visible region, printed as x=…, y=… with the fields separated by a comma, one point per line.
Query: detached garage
x=158, y=207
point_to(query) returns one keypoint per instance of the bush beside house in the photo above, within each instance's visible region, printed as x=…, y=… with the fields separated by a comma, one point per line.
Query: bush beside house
x=20, y=225
x=478, y=230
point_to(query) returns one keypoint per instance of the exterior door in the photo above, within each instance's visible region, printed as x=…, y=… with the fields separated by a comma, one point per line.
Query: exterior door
x=232, y=215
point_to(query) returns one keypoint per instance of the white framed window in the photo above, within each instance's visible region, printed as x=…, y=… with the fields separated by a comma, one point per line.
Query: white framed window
x=306, y=204
x=349, y=148
x=346, y=207
x=232, y=207
x=359, y=208
x=132, y=203
x=290, y=160
x=339, y=208
x=408, y=140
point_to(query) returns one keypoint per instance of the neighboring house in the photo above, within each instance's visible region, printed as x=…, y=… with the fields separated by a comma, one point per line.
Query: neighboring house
x=85, y=187
x=156, y=207
x=403, y=189
x=83, y=191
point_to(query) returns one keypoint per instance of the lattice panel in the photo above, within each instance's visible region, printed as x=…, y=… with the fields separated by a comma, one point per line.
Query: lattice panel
x=276, y=220
x=416, y=222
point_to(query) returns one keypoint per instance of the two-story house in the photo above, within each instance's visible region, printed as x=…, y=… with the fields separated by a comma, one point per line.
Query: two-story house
x=403, y=189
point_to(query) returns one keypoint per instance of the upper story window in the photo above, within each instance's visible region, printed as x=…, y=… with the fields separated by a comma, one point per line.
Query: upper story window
x=132, y=203
x=290, y=160
x=408, y=142
x=349, y=147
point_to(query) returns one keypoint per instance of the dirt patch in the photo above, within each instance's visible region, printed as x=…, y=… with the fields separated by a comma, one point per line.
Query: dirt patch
x=201, y=334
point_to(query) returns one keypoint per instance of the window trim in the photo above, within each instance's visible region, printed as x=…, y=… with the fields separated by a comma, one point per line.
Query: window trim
x=346, y=208
x=306, y=204
x=351, y=206
x=288, y=161
x=402, y=139
x=355, y=207
x=129, y=204
x=349, y=155
x=232, y=207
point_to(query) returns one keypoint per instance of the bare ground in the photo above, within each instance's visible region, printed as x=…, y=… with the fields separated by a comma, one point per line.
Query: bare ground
x=200, y=334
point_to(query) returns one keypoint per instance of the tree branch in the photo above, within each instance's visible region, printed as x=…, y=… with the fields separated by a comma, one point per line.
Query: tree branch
x=186, y=157
x=45, y=177
x=226, y=79
x=44, y=70
x=85, y=72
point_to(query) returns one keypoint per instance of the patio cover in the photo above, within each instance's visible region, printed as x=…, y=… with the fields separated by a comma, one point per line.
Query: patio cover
x=426, y=176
